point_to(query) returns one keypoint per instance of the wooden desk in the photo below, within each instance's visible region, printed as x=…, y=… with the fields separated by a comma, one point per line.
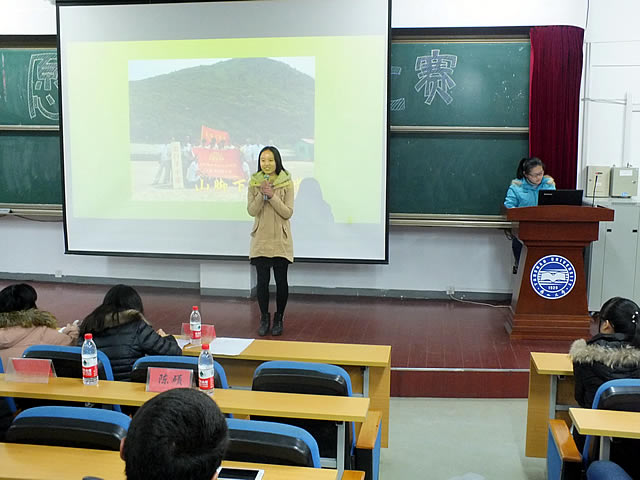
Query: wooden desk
x=606, y=424
x=551, y=393
x=368, y=365
x=40, y=462
x=240, y=402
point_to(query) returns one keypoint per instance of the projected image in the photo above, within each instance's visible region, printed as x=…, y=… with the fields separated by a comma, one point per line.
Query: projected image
x=198, y=125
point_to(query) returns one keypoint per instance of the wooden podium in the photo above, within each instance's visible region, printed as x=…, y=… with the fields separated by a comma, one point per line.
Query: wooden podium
x=554, y=237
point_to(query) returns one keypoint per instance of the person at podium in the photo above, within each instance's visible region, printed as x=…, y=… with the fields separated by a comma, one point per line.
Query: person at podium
x=523, y=192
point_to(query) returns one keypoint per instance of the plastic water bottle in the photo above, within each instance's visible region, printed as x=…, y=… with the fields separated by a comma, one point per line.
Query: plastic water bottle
x=205, y=370
x=89, y=361
x=195, y=324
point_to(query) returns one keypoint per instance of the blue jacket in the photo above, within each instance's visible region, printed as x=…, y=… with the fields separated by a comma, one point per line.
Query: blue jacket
x=521, y=193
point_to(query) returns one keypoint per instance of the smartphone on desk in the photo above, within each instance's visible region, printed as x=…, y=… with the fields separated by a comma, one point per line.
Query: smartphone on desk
x=230, y=473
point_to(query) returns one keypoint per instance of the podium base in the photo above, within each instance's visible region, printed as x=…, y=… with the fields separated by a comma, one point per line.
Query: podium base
x=548, y=327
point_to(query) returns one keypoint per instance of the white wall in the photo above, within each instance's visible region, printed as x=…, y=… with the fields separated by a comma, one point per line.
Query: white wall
x=420, y=259
x=612, y=70
x=475, y=13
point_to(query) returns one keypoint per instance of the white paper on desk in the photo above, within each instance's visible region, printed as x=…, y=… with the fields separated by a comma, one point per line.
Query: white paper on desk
x=182, y=342
x=230, y=346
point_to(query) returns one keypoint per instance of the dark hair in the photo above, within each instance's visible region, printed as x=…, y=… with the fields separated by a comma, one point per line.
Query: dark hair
x=123, y=297
x=118, y=299
x=527, y=164
x=180, y=433
x=624, y=316
x=276, y=157
x=17, y=297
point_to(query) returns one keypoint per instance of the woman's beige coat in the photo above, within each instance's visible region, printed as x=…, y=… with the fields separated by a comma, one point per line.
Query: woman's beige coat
x=271, y=233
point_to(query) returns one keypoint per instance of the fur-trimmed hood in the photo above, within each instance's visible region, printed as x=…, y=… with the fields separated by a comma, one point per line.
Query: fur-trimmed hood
x=99, y=322
x=28, y=319
x=607, y=350
x=120, y=318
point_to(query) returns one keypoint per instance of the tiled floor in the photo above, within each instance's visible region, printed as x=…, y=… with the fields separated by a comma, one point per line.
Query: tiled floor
x=439, y=348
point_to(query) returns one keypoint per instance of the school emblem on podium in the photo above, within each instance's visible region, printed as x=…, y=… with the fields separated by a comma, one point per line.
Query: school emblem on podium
x=553, y=277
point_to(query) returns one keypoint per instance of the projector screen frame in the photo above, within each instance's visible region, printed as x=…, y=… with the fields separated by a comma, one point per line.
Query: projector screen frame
x=199, y=256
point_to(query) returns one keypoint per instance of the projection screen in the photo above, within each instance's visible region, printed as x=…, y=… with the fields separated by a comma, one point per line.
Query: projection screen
x=165, y=108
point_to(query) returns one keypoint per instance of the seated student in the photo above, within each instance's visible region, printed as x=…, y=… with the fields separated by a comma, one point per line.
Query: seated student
x=179, y=434
x=22, y=324
x=122, y=332
x=611, y=354
x=523, y=192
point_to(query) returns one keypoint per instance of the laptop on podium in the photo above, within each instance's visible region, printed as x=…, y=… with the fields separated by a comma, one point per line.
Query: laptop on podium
x=560, y=197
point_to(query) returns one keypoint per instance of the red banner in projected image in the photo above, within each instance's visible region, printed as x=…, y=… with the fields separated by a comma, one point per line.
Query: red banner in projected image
x=210, y=135
x=219, y=163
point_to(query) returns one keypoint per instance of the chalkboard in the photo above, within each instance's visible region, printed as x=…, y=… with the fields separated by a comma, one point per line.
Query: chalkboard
x=29, y=89
x=459, y=84
x=30, y=167
x=29, y=157
x=461, y=173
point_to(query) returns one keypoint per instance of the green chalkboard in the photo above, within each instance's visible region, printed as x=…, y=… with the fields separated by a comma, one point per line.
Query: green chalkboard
x=462, y=173
x=29, y=90
x=460, y=84
x=30, y=168
x=29, y=156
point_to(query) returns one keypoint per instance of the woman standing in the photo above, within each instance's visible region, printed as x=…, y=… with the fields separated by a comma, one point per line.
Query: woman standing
x=270, y=202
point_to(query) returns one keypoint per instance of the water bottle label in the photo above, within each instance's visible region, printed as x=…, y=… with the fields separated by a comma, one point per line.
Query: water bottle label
x=196, y=331
x=90, y=366
x=205, y=379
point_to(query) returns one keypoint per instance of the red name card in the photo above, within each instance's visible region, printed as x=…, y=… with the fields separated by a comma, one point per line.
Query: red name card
x=162, y=379
x=32, y=370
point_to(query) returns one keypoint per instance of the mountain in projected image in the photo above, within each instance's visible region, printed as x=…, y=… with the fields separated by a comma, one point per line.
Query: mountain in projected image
x=261, y=99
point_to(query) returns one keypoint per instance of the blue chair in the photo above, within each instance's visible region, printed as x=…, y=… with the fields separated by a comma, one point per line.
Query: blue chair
x=67, y=362
x=605, y=470
x=139, y=372
x=78, y=427
x=564, y=461
x=271, y=442
x=7, y=411
x=316, y=379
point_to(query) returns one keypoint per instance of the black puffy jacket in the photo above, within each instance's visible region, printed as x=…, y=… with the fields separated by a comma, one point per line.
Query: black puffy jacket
x=605, y=357
x=126, y=337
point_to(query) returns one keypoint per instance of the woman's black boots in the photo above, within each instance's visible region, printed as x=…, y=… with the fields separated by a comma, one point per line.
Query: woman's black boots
x=277, y=324
x=265, y=324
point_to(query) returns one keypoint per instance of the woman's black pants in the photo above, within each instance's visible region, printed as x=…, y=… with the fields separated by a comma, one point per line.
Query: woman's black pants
x=282, y=287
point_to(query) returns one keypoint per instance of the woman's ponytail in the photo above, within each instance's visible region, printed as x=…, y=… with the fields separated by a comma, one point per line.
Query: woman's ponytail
x=521, y=170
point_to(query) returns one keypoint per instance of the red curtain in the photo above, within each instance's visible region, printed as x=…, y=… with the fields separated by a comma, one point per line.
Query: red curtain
x=554, y=96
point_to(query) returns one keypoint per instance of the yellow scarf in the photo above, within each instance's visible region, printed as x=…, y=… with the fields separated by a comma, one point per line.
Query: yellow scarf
x=281, y=181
